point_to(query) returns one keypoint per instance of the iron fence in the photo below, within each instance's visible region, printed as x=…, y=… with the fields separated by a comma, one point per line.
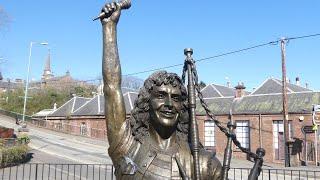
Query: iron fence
x=45, y=171
x=35, y=171
x=276, y=174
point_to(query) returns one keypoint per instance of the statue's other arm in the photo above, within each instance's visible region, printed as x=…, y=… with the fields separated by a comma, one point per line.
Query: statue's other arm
x=115, y=112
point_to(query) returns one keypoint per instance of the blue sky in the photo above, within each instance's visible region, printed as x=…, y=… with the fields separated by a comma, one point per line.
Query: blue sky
x=153, y=34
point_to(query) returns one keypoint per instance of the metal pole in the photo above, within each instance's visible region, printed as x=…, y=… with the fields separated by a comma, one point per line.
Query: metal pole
x=192, y=107
x=285, y=103
x=27, y=83
x=260, y=130
x=305, y=149
x=315, y=133
x=228, y=150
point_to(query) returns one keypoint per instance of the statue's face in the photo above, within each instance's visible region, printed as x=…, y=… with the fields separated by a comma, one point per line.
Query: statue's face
x=165, y=106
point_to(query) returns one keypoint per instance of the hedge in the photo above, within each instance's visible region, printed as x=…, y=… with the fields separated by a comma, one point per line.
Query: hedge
x=14, y=155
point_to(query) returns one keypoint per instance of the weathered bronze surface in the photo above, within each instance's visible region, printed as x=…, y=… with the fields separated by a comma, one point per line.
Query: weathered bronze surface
x=154, y=142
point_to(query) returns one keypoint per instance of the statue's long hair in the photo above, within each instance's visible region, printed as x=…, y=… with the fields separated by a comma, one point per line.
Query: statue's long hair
x=139, y=119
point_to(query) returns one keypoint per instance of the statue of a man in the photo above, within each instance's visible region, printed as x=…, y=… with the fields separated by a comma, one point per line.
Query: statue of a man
x=153, y=143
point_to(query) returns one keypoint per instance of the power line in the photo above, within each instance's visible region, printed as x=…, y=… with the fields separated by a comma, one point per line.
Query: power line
x=302, y=37
x=207, y=58
x=228, y=53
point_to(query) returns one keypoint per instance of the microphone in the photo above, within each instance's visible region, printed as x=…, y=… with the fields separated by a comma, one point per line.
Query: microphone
x=125, y=4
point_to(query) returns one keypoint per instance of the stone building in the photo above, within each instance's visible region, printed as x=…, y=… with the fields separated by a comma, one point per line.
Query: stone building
x=259, y=119
x=258, y=116
x=49, y=80
x=82, y=116
x=10, y=85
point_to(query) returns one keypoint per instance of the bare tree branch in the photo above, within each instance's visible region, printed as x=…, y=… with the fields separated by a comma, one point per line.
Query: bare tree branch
x=4, y=18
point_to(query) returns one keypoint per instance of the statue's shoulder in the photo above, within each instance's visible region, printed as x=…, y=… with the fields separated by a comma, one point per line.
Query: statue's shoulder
x=213, y=165
x=123, y=142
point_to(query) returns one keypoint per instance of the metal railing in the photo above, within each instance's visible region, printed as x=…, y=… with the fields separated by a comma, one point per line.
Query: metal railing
x=271, y=174
x=34, y=171
x=45, y=171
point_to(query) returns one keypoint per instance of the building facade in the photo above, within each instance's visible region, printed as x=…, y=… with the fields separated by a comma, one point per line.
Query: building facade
x=257, y=115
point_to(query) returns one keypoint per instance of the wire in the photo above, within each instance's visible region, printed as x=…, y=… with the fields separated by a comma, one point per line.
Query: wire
x=207, y=58
x=203, y=59
x=228, y=53
x=302, y=37
x=237, y=51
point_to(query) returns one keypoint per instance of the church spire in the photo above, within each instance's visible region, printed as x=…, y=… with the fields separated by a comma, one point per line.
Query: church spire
x=47, y=74
x=48, y=65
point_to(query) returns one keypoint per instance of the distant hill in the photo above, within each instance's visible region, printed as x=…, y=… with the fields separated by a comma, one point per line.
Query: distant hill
x=132, y=82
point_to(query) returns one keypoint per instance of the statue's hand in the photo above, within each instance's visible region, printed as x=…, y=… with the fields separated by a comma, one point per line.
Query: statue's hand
x=112, y=13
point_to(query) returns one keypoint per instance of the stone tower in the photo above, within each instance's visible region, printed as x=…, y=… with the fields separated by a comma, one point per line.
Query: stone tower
x=47, y=74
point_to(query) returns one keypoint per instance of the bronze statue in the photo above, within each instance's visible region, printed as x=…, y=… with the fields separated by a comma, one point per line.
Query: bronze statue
x=154, y=142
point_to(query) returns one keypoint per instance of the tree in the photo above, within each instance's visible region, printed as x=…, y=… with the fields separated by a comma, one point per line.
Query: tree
x=4, y=18
x=4, y=22
x=38, y=100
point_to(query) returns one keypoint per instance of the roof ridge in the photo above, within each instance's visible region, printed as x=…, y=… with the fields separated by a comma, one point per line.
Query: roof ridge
x=74, y=102
x=84, y=104
x=226, y=97
x=271, y=94
x=204, y=87
x=217, y=90
x=132, y=92
x=274, y=79
x=98, y=104
x=130, y=102
x=62, y=106
x=260, y=86
x=223, y=86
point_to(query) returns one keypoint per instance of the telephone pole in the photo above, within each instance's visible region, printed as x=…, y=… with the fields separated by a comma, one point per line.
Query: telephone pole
x=285, y=104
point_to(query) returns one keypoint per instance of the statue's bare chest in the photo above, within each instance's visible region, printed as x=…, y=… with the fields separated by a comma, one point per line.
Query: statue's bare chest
x=146, y=162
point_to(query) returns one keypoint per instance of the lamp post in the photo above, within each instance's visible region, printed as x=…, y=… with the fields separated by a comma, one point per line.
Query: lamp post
x=27, y=82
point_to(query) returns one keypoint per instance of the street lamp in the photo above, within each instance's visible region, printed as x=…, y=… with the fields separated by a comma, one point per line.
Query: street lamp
x=27, y=83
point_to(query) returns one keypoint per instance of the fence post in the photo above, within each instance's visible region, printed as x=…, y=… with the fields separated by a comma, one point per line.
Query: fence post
x=36, y=175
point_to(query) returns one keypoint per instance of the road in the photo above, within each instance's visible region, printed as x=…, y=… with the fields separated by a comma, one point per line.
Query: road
x=60, y=156
x=54, y=147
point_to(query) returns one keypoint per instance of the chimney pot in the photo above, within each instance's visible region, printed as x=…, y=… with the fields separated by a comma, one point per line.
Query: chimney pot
x=240, y=90
x=297, y=81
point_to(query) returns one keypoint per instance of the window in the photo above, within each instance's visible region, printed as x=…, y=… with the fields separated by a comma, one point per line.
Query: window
x=83, y=129
x=209, y=133
x=243, y=133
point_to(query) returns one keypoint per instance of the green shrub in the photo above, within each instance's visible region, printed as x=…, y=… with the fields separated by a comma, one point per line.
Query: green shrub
x=23, y=139
x=13, y=155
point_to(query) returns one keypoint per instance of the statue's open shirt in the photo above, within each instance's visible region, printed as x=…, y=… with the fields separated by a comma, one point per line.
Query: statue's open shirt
x=135, y=160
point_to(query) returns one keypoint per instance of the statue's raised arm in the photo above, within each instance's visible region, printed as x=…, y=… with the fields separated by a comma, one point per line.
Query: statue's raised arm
x=154, y=142
x=115, y=112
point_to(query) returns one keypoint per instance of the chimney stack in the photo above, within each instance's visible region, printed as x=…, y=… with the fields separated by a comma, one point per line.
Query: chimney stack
x=240, y=90
x=297, y=81
x=228, y=84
